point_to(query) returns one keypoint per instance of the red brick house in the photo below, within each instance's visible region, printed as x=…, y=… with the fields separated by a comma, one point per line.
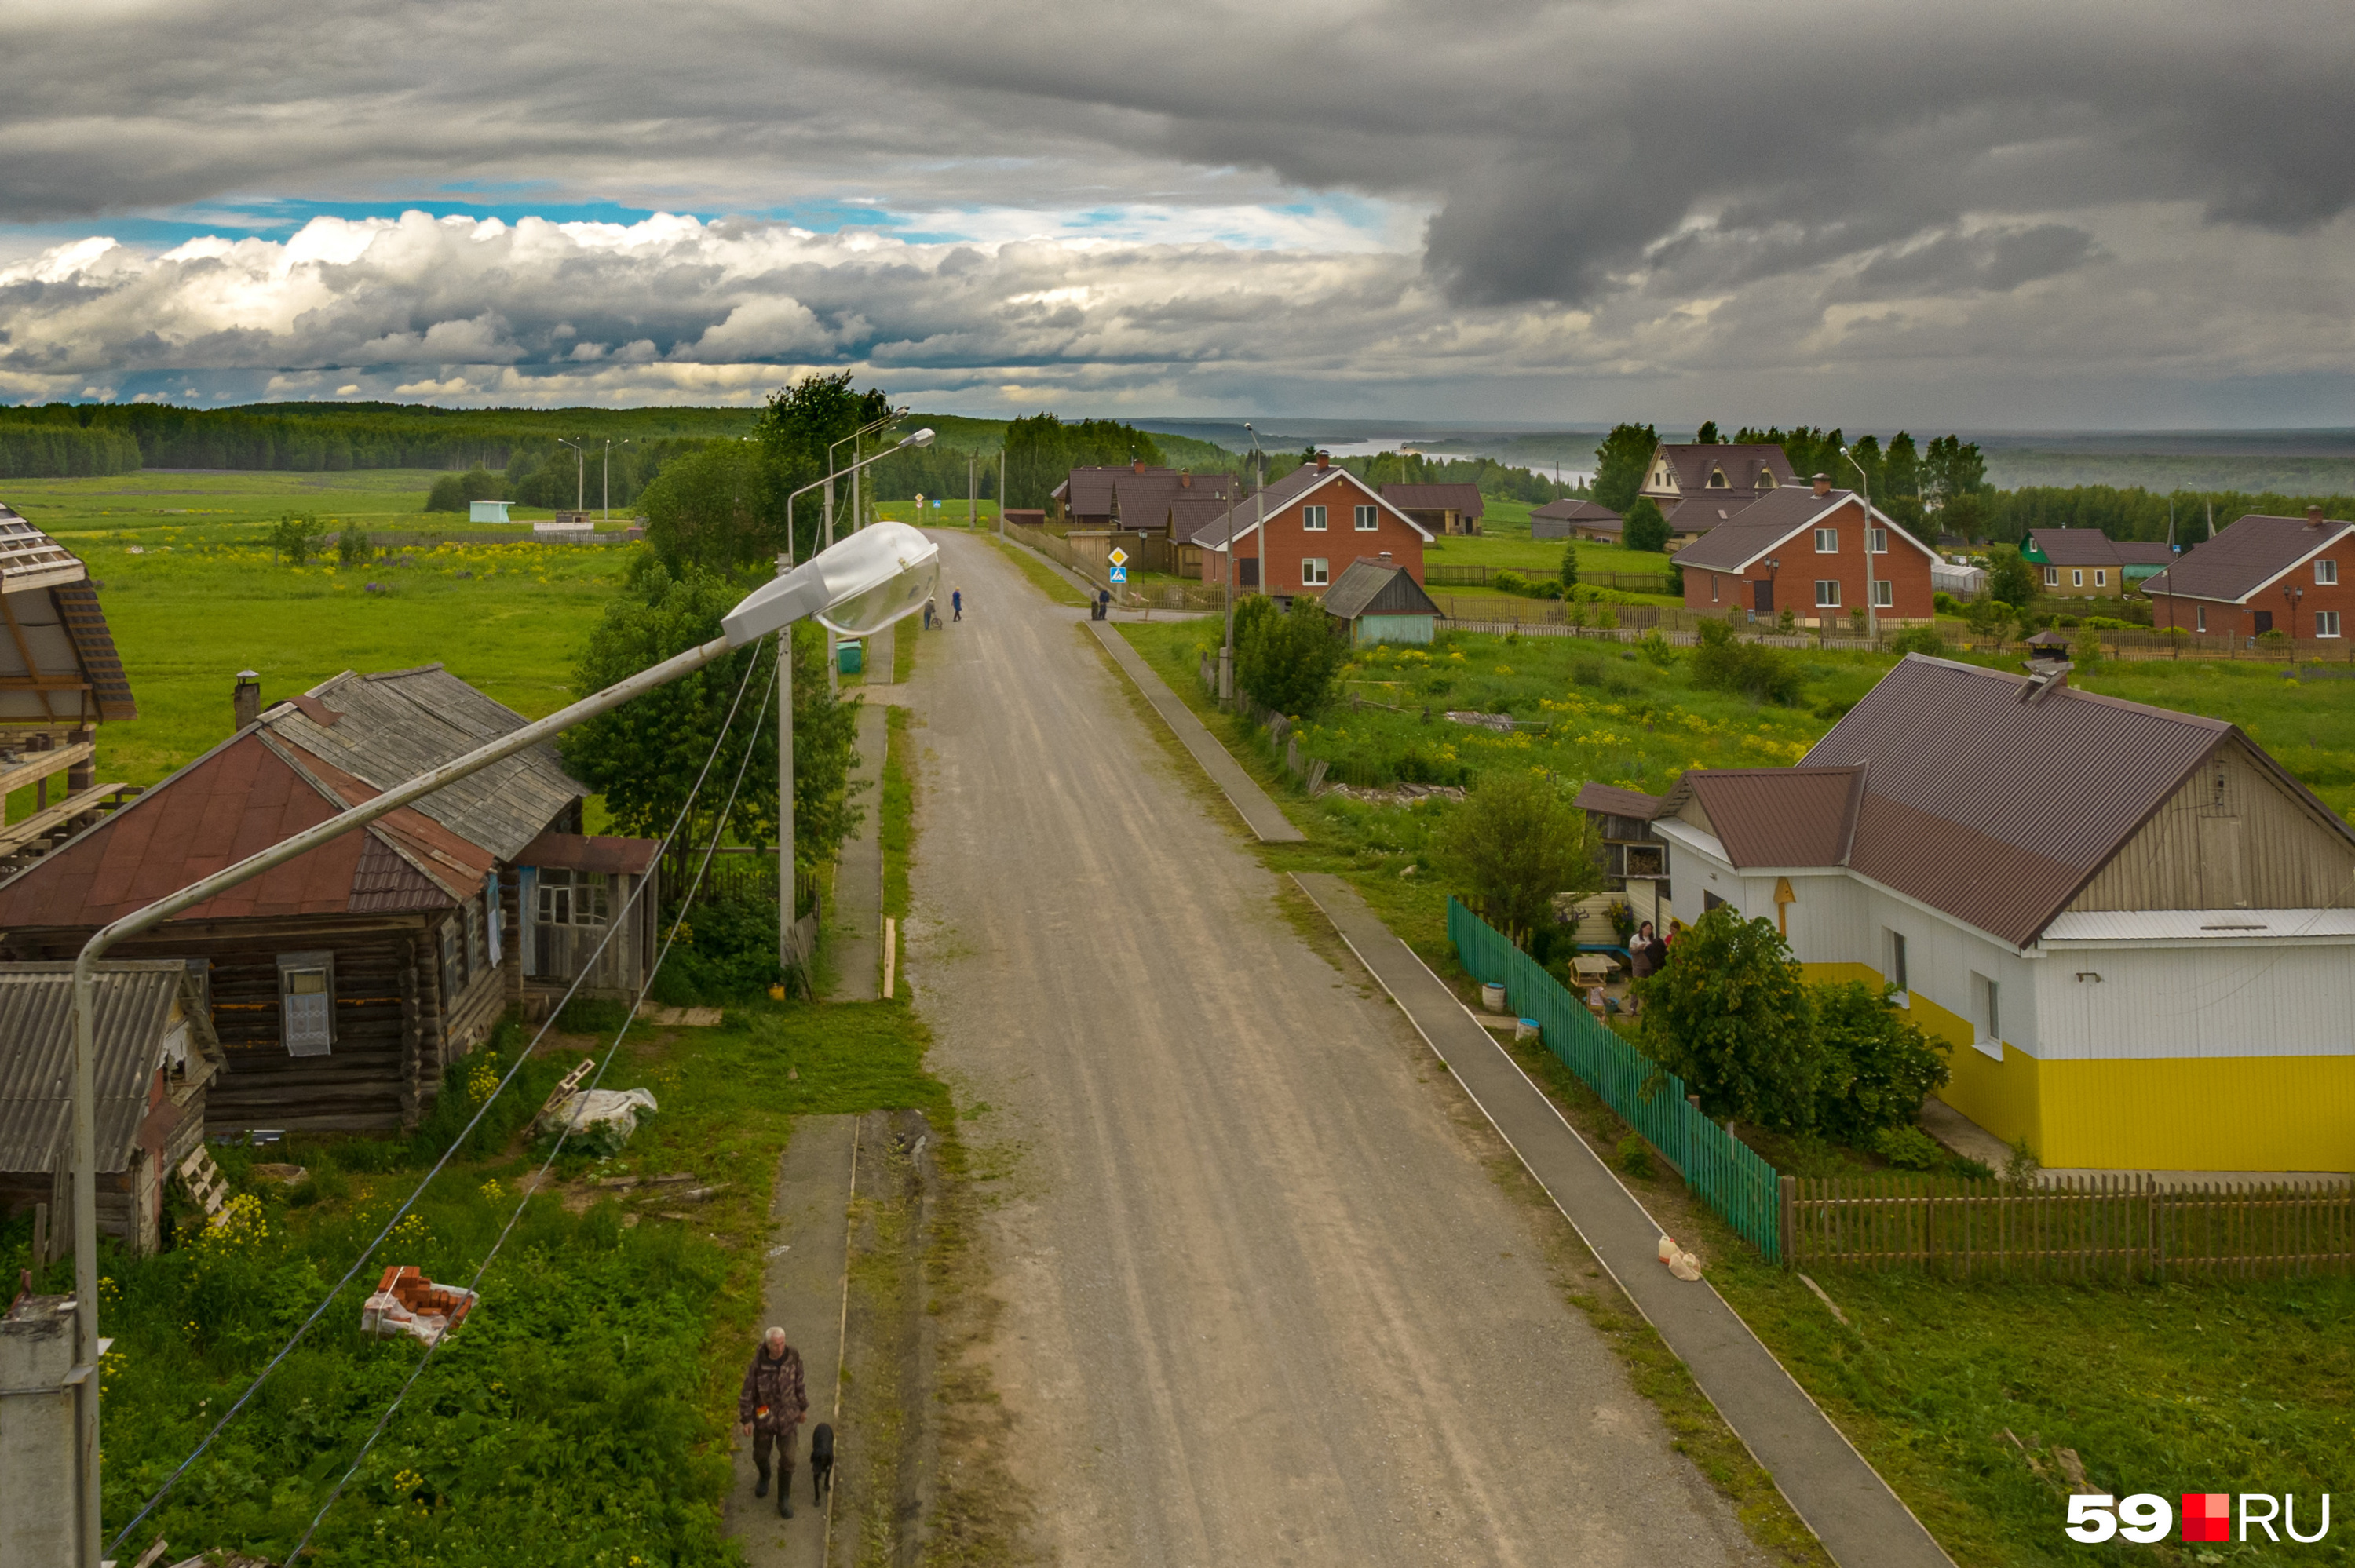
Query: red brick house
x=1806, y=551
x=2262, y=574
x=1319, y=519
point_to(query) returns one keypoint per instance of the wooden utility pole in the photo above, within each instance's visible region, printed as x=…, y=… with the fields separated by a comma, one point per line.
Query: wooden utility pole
x=972, y=490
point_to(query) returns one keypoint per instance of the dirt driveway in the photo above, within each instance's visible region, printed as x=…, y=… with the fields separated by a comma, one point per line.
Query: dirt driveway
x=1265, y=1302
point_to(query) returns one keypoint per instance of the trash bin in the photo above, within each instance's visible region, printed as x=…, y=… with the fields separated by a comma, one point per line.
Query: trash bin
x=1492, y=997
x=850, y=658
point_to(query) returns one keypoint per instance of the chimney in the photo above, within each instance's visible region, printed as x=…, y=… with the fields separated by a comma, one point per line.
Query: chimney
x=1823, y=484
x=245, y=703
x=1324, y=461
x=1386, y=557
x=2314, y=516
x=1185, y=478
x=1136, y=465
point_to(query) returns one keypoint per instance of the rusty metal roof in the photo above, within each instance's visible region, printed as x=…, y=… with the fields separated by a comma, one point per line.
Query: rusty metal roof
x=1616, y=803
x=134, y=1004
x=2246, y=558
x=1777, y=817
x=573, y=852
x=1461, y=499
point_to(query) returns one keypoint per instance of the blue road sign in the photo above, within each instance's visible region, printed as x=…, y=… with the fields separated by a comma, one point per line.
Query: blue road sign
x=1120, y=574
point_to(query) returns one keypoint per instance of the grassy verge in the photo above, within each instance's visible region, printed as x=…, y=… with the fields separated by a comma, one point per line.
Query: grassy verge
x=897, y=823
x=1043, y=578
x=904, y=637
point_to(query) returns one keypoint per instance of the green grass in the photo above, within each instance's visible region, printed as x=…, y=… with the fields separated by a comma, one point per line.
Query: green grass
x=897, y=825
x=583, y=1415
x=1042, y=576
x=375, y=498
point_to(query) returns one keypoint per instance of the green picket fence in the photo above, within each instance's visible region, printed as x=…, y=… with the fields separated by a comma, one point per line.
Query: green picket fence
x=1724, y=1171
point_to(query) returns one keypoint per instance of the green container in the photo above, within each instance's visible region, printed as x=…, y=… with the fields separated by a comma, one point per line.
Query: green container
x=850, y=658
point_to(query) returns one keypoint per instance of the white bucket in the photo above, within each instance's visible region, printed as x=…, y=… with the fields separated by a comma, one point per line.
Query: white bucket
x=1492, y=997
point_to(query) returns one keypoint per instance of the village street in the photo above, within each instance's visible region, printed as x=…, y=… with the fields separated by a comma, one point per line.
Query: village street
x=1265, y=1300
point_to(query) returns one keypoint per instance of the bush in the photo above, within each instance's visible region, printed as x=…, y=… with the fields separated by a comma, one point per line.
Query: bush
x=1909, y=1148
x=1919, y=640
x=1723, y=662
x=1729, y=1014
x=1569, y=565
x=591, y=1015
x=1644, y=528
x=1511, y=581
x=2009, y=576
x=1675, y=575
x=1945, y=603
x=296, y=538
x=352, y=547
x=1514, y=842
x=1656, y=650
x=1634, y=1156
x=455, y=492
x=1288, y=660
x=726, y=952
x=1876, y=1065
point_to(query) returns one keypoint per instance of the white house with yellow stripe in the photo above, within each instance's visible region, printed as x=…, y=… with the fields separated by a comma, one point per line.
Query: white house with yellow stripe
x=2134, y=930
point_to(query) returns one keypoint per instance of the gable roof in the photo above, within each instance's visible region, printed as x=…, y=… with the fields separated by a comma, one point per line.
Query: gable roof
x=56, y=635
x=1767, y=522
x=2142, y=552
x=1616, y=803
x=1692, y=463
x=135, y=1002
x=1463, y=500
x=1134, y=494
x=1369, y=587
x=2246, y=558
x=1570, y=508
x=1776, y=816
x=1298, y=485
x=2072, y=547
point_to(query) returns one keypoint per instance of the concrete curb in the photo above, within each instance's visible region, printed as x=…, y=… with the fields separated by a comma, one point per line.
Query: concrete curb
x=1861, y=1521
x=1251, y=803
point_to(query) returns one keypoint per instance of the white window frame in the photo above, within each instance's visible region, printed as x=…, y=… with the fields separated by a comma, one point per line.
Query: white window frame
x=1987, y=1015
x=1311, y=518
x=306, y=1019
x=2077, y=578
x=2326, y=573
x=1827, y=541
x=1315, y=571
x=2101, y=576
x=1712, y=588
x=2201, y=613
x=1884, y=593
x=2051, y=577
x=1369, y=519
x=1899, y=976
x=2326, y=623
x=1879, y=544
x=1827, y=600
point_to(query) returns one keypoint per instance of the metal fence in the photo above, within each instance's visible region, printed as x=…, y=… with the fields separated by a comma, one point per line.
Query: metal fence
x=1720, y=1169
x=2085, y=1226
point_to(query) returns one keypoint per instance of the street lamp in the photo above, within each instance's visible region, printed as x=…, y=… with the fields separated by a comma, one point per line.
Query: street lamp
x=865, y=585
x=1871, y=609
x=581, y=480
x=1227, y=649
x=1773, y=565
x=608, y=503
x=893, y=418
x=2293, y=596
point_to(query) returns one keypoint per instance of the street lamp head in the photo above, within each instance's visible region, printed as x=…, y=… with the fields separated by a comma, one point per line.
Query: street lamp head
x=922, y=438
x=853, y=588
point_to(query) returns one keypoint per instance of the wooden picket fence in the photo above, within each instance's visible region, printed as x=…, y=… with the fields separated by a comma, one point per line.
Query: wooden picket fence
x=2084, y=1227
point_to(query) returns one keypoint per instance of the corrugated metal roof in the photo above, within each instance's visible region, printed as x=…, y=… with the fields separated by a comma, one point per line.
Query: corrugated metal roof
x=1461, y=499
x=1616, y=803
x=2073, y=546
x=572, y=851
x=2245, y=558
x=1773, y=817
x=1377, y=588
x=1741, y=464
x=93, y=642
x=2201, y=925
x=1142, y=497
x=1570, y=508
x=134, y=1004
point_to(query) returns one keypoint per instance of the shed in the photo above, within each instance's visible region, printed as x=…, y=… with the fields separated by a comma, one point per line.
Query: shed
x=1571, y=518
x=1440, y=508
x=1963, y=582
x=487, y=512
x=1380, y=602
x=156, y=1053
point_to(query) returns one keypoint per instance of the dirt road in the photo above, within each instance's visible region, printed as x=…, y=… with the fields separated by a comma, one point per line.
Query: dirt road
x=1265, y=1302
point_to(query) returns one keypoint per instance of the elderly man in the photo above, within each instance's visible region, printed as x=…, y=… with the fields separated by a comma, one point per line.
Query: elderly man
x=770, y=1407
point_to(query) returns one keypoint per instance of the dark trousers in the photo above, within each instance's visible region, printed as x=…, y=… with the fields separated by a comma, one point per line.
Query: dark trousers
x=784, y=1446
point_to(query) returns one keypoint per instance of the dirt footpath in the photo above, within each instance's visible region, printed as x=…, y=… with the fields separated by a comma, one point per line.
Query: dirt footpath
x=1265, y=1301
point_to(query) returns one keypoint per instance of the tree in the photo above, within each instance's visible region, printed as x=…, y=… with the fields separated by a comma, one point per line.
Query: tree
x=797, y=428
x=1514, y=842
x=454, y=492
x=352, y=547
x=1953, y=467
x=1902, y=474
x=715, y=510
x=1729, y=1014
x=1906, y=511
x=296, y=538
x=2010, y=580
x=1644, y=528
x=1288, y=660
x=1707, y=435
x=1621, y=462
x=1877, y=1066
x=1570, y=565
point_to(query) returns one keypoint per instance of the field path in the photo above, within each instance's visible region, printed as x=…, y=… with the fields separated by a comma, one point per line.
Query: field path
x=1265, y=1301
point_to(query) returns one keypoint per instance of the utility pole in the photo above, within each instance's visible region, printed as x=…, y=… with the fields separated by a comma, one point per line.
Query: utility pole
x=580, y=477
x=972, y=490
x=1871, y=589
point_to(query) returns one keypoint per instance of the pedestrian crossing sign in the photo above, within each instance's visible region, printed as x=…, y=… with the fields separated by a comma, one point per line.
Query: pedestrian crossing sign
x=1119, y=574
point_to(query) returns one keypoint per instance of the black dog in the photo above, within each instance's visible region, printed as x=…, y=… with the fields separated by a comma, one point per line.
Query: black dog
x=821, y=1461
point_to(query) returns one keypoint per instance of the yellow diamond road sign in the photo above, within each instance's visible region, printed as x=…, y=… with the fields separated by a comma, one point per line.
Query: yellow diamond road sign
x=1119, y=557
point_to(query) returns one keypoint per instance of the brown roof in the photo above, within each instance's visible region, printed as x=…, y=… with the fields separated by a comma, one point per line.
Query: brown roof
x=1776, y=816
x=1142, y=496
x=1700, y=514
x=1741, y=465
x=1463, y=500
x=1766, y=523
x=1283, y=491
x=1570, y=508
x=1616, y=803
x=2246, y=558
x=572, y=851
x=2142, y=552
x=2074, y=547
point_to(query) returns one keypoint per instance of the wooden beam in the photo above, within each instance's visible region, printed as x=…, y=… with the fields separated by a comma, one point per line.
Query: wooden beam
x=36, y=766
x=17, y=836
x=41, y=684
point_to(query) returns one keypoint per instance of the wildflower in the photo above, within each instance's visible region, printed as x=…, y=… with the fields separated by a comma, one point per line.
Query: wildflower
x=482, y=1082
x=492, y=1192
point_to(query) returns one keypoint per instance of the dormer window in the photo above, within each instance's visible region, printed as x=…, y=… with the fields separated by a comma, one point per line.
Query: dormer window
x=1717, y=478
x=1765, y=478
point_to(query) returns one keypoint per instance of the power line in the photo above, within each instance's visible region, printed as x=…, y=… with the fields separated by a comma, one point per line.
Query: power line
x=473, y=1284
x=523, y=1056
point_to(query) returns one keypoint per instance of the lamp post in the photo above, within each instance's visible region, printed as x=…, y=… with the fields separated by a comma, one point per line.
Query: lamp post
x=581, y=478
x=2292, y=596
x=1227, y=649
x=1871, y=607
x=886, y=573
x=785, y=952
x=1773, y=564
x=607, y=505
x=893, y=418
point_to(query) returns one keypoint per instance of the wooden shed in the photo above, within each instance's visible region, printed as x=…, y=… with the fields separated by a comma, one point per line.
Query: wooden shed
x=156, y=1055
x=1380, y=601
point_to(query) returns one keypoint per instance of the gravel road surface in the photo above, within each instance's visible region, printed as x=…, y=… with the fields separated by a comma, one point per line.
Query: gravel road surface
x=1265, y=1301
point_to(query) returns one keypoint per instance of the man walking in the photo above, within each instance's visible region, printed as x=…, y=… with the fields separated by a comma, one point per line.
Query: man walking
x=770, y=1407
x=957, y=604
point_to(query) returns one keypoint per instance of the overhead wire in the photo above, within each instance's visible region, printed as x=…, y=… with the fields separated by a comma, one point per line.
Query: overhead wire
x=678, y=822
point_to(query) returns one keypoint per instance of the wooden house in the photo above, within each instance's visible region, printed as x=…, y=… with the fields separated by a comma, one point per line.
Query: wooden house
x=344, y=983
x=1440, y=508
x=156, y=1055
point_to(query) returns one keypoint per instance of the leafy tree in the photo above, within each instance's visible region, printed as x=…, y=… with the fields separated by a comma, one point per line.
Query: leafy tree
x=1965, y=514
x=1514, y=842
x=353, y=549
x=1729, y=1014
x=715, y=511
x=1906, y=511
x=454, y=491
x=1708, y=435
x=1722, y=662
x=1288, y=660
x=296, y=538
x=1877, y=1066
x=1951, y=468
x=1643, y=527
x=799, y=426
x=1041, y=451
x=645, y=756
x=1570, y=565
x=1901, y=475
x=1621, y=462
x=2010, y=578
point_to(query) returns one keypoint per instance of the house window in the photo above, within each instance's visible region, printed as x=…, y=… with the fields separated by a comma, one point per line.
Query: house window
x=1367, y=521
x=2051, y=577
x=1826, y=593
x=1712, y=588
x=1766, y=479
x=2326, y=572
x=1717, y=478
x=2202, y=613
x=574, y=898
x=1314, y=572
x=2076, y=579
x=2326, y=623
x=1987, y=1016
x=1897, y=975
x=1881, y=540
x=1313, y=519
x=1827, y=541
x=306, y=1002
x=1884, y=593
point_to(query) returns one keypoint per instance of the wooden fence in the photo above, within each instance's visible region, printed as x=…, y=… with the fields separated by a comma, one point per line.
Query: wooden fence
x=2084, y=1227
x=1442, y=575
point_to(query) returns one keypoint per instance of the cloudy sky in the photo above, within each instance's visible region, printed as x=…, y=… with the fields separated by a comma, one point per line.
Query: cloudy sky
x=1991, y=216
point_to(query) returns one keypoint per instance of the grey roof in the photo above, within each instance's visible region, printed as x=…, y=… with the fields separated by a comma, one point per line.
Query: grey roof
x=1613, y=801
x=1572, y=510
x=1463, y=500
x=1741, y=465
x=2245, y=558
x=2074, y=547
x=395, y=725
x=134, y=1004
x=1370, y=587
